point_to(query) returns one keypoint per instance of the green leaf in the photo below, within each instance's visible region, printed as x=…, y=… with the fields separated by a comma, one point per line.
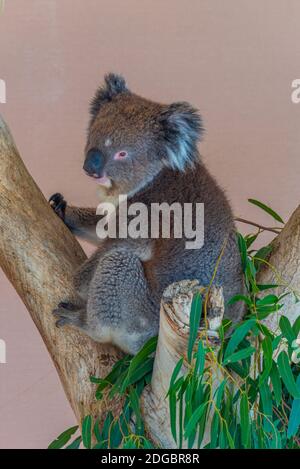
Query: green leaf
x=115, y=435
x=214, y=431
x=200, y=359
x=296, y=326
x=250, y=276
x=294, y=420
x=237, y=337
x=249, y=239
x=286, y=329
x=179, y=386
x=175, y=374
x=267, y=357
x=267, y=300
x=275, y=443
x=245, y=421
x=265, y=311
x=220, y=393
x=97, y=432
x=276, y=383
x=172, y=408
x=270, y=286
x=112, y=377
x=276, y=341
x=268, y=308
x=264, y=330
x=180, y=422
x=229, y=438
x=63, y=438
x=203, y=422
x=261, y=255
x=138, y=360
x=87, y=432
x=106, y=428
x=75, y=443
x=124, y=419
x=195, y=316
x=266, y=400
x=238, y=369
x=138, y=373
x=119, y=383
x=197, y=414
x=135, y=404
x=287, y=375
x=243, y=250
x=252, y=389
x=267, y=209
x=236, y=298
x=240, y=355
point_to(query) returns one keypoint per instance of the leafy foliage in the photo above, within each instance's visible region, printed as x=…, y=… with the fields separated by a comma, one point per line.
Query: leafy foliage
x=127, y=378
x=256, y=404
x=247, y=389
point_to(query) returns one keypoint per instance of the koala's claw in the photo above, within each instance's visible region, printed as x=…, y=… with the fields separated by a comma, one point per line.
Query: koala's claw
x=68, y=305
x=68, y=313
x=58, y=204
x=60, y=323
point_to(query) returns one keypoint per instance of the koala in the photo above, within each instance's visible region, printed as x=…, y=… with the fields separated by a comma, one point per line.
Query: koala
x=147, y=151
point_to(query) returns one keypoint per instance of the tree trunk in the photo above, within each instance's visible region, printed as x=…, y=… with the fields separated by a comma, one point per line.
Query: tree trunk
x=38, y=255
x=283, y=269
x=172, y=345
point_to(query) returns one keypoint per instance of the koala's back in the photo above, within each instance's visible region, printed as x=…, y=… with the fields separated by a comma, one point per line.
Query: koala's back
x=218, y=258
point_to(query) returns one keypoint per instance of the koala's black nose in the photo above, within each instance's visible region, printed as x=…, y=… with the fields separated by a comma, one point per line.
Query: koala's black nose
x=94, y=163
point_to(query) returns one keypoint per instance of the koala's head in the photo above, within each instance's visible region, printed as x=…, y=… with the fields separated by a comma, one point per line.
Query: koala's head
x=131, y=139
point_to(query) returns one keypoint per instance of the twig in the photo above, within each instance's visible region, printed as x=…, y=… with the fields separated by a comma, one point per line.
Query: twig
x=266, y=228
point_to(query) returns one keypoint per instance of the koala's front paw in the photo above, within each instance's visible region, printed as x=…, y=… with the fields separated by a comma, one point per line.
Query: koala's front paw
x=58, y=204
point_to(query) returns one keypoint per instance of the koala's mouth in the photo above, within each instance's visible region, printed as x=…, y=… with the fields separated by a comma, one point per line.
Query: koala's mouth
x=104, y=180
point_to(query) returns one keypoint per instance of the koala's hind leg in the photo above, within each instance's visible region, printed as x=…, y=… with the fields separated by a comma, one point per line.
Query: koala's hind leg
x=120, y=306
x=84, y=275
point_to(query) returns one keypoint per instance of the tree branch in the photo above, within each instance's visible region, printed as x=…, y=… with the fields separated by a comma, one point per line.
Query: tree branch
x=172, y=345
x=283, y=269
x=38, y=255
x=261, y=227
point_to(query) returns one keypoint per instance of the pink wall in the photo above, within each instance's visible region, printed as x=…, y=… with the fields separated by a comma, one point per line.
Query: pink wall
x=235, y=60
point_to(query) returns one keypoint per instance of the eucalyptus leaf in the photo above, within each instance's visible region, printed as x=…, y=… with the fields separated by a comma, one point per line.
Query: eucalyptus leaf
x=195, y=316
x=239, y=334
x=286, y=374
x=294, y=420
x=286, y=329
x=63, y=438
x=267, y=209
x=240, y=355
x=86, y=431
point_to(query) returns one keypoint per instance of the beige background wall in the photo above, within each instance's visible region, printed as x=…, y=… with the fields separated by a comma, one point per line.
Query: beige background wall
x=234, y=59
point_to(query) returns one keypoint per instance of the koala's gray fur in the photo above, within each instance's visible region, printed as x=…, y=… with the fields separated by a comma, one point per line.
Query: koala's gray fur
x=120, y=286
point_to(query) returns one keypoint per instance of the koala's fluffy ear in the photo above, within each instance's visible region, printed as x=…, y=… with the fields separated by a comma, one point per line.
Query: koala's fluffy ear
x=182, y=129
x=113, y=85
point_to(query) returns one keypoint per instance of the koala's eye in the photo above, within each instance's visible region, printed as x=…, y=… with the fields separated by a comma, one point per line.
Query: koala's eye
x=120, y=155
